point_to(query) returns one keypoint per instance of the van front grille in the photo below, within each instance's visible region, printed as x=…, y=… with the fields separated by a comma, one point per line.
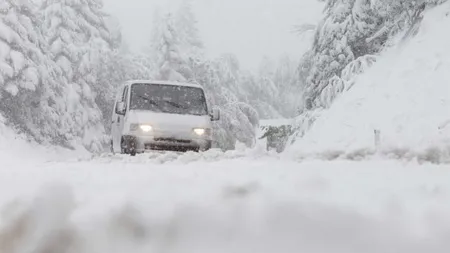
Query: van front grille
x=173, y=140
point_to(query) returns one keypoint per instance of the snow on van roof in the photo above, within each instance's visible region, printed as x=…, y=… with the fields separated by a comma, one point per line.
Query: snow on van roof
x=175, y=83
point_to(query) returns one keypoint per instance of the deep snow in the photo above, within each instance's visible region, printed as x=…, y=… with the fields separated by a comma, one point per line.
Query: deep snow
x=242, y=201
x=405, y=96
x=238, y=201
x=55, y=201
x=16, y=147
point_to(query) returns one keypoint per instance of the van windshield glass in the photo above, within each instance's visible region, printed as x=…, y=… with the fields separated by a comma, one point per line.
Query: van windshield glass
x=168, y=99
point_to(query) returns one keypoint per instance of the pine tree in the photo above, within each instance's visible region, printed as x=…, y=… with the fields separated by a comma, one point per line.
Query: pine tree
x=223, y=83
x=286, y=79
x=111, y=71
x=260, y=90
x=20, y=43
x=331, y=47
x=347, y=42
x=229, y=70
x=341, y=38
x=268, y=90
x=77, y=36
x=28, y=90
x=150, y=52
x=178, y=51
x=117, y=66
x=186, y=25
x=352, y=32
x=171, y=63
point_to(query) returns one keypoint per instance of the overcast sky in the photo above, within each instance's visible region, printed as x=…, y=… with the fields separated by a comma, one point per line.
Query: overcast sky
x=248, y=28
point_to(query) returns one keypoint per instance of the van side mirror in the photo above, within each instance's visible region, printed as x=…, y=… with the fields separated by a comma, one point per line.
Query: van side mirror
x=215, y=115
x=120, y=108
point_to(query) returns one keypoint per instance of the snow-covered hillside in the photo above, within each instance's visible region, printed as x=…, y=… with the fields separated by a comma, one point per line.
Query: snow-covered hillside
x=16, y=148
x=405, y=96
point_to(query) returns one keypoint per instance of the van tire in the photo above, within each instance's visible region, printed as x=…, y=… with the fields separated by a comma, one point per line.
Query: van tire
x=131, y=145
x=123, y=150
x=128, y=145
x=112, y=147
x=207, y=147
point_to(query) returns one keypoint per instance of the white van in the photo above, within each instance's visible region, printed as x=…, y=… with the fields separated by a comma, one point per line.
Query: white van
x=160, y=115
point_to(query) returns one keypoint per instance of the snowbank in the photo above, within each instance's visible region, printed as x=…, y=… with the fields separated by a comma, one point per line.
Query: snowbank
x=169, y=157
x=405, y=96
x=19, y=149
x=239, y=205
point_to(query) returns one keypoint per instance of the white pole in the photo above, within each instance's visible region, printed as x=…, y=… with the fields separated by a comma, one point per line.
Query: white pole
x=377, y=138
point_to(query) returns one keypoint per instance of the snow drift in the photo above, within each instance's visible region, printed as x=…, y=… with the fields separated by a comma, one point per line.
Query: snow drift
x=404, y=96
x=46, y=226
x=230, y=206
x=16, y=148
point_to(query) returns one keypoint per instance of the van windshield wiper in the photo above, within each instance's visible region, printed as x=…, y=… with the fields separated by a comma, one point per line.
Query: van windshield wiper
x=150, y=101
x=176, y=105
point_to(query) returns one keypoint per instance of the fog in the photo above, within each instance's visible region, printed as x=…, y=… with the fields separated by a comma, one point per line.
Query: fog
x=250, y=29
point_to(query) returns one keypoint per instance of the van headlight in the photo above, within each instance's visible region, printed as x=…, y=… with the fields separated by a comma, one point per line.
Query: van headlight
x=144, y=128
x=202, y=131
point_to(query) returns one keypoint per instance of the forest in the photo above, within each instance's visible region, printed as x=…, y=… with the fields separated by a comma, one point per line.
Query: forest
x=61, y=63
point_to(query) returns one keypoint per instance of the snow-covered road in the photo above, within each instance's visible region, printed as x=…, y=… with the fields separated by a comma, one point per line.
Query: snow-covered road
x=223, y=203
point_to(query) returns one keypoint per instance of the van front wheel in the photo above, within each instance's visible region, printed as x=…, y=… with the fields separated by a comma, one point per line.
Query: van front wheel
x=123, y=146
x=112, y=148
x=128, y=145
x=207, y=147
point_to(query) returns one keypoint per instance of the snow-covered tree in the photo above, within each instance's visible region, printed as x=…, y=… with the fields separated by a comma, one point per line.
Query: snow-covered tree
x=331, y=46
x=229, y=71
x=176, y=52
x=273, y=90
x=238, y=119
x=266, y=75
x=347, y=42
x=172, y=64
x=186, y=26
x=341, y=38
x=150, y=51
x=350, y=31
x=78, y=37
x=20, y=41
x=260, y=90
x=28, y=87
x=289, y=86
x=116, y=67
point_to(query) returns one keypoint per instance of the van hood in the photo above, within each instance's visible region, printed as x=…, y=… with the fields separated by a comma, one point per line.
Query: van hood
x=168, y=121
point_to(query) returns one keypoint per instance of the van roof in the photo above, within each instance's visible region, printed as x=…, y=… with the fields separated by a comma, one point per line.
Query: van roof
x=175, y=83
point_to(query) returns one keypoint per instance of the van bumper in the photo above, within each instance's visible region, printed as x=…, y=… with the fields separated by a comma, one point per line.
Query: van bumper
x=148, y=143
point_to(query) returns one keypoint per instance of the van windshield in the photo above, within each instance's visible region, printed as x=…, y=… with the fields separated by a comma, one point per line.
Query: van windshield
x=168, y=99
